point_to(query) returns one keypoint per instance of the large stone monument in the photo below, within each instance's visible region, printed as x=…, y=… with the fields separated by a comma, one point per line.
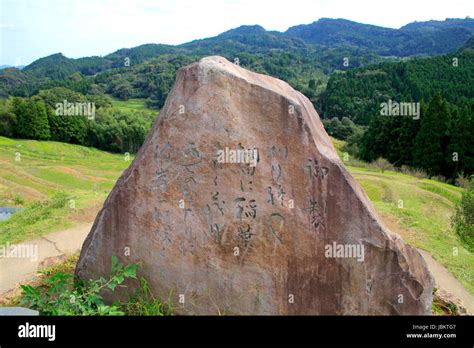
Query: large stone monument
x=237, y=203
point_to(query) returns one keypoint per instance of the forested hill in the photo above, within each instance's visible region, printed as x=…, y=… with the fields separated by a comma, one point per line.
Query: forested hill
x=438, y=139
x=357, y=93
x=302, y=53
x=418, y=38
x=469, y=44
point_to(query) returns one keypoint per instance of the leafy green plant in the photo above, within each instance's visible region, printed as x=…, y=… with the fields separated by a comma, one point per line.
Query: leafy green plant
x=143, y=302
x=18, y=200
x=382, y=164
x=463, y=219
x=64, y=295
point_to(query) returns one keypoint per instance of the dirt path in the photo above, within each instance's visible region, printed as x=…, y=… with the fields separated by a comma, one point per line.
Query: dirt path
x=446, y=281
x=23, y=259
x=443, y=278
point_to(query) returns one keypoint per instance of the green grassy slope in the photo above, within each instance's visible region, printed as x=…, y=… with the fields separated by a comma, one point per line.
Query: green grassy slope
x=60, y=185
x=419, y=210
x=131, y=105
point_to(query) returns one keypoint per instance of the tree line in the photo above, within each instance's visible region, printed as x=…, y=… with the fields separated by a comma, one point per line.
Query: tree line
x=440, y=142
x=108, y=128
x=357, y=93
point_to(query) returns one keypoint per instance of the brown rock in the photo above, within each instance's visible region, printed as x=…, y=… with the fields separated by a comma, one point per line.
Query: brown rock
x=238, y=239
x=448, y=303
x=52, y=261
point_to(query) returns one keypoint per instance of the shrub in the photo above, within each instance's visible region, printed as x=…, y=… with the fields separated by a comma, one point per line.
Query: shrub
x=382, y=164
x=143, y=302
x=18, y=200
x=342, y=129
x=463, y=218
x=65, y=295
x=416, y=172
x=462, y=180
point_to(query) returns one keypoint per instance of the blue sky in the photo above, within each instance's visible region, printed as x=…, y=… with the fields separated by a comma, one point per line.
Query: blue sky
x=31, y=29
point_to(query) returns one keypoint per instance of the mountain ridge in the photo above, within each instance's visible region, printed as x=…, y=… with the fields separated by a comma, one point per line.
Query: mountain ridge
x=331, y=29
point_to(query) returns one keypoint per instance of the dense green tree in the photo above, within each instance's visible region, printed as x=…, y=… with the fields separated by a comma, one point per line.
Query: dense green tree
x=405, y=136
x=63, y=126
x=374, y=142
x=440, y=142
x=7, y=118
x=68, y=128
x=119, y=131
x=31, y=119
x=460, y=156
x=122, y=90
x=340, y=129
x=463, y=219
x=430, y=148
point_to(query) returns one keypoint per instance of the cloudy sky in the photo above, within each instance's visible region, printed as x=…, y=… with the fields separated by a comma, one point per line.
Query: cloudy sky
x=31, y=29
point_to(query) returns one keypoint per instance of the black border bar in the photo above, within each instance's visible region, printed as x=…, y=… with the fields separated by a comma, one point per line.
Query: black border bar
x=263, y=330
